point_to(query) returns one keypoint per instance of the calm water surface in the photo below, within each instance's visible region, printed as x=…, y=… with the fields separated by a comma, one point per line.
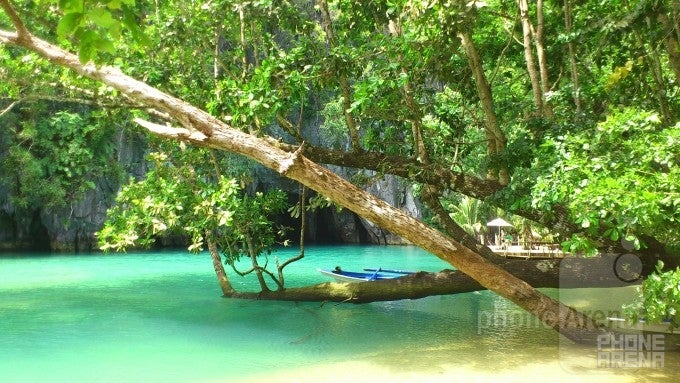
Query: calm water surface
x=159, y=317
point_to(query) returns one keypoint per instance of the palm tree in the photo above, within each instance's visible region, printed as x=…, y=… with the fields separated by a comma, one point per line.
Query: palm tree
x=530, y=231
x=467, y=215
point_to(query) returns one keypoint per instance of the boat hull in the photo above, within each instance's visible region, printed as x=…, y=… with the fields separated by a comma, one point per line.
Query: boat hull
x=355, y=276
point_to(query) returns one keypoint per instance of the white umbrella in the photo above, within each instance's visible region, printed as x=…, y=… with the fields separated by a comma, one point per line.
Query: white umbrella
x=499, y=222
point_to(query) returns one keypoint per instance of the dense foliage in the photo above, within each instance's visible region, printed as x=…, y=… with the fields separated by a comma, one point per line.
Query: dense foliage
x=178, y=198
x=621, y=178
x=658, y=300
x=50, y=161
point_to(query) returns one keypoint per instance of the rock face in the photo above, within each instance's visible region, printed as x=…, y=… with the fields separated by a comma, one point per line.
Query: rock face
x=72, y=228
x=330, y=225
x=21, y=231
x=399, y=194
x=346, y=227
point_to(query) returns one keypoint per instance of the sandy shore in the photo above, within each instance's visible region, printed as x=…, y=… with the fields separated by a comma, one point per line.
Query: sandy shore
x=364, y=372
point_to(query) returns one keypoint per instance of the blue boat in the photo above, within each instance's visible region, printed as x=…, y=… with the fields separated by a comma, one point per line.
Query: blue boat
x=363, y=276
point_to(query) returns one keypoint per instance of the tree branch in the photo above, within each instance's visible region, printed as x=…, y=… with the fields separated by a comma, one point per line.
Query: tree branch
x=432, y=174
x=548, y=273
x=7, y=37
x=21, y=33
x=431, y=198
x=9, y=108
x=59, y=99
x=170, y=132
x=345, y=88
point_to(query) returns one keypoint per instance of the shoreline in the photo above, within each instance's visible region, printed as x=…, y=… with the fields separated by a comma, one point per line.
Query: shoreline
x=366, y=371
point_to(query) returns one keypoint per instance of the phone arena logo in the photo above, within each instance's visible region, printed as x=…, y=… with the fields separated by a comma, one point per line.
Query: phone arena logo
x=630, y=351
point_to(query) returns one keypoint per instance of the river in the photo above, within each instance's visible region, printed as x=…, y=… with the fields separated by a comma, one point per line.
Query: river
x=159, y=317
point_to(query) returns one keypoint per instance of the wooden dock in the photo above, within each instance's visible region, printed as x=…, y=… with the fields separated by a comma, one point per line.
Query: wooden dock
x=549, y=251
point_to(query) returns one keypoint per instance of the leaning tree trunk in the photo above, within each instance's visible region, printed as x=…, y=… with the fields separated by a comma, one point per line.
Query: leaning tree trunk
x=203, y=129
x=547, y=273
x=222, y=277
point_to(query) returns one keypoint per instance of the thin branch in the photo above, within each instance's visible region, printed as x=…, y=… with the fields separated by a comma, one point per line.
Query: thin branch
x=241, y=273
x=288, y=127
x=431, y=198
x=345, y=88
x=256, y=268
x=279, y=284
x=7, y=109
x=60, y=99
x=21, y=33
x=492, y=78
x=171, y=132
x=303, y=197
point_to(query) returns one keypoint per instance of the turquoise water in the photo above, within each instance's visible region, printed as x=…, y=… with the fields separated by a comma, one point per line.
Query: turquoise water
x=159, y=317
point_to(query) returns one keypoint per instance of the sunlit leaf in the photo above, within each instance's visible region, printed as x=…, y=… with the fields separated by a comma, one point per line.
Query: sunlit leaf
x=69, y=23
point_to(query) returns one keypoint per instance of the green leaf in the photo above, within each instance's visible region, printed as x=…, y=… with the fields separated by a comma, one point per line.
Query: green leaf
x=104, y=45
x=130, y=21
x=70, y=6
x=614, y=236
x=85, y=53
x=102, y=18
x=87, y=49
x=69, y=23
x=114, y=4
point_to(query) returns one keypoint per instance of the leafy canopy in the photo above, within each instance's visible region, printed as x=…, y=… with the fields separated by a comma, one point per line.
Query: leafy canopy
x=658, y=299
x=97, y=25
x=622, y=177
x=50, y=158
x=180, y=199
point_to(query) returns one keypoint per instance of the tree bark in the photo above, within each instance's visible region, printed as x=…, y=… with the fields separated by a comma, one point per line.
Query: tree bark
x=671, y=37
x=542, y=58
x=529, y=56
x=569, y=23
x=433, y=173
x=303, y=229
x=495, y=137
x=415, y=116
x=203, y=129
x=252, y=254
x=549, y=273
x=345, y=89
x=222, y=278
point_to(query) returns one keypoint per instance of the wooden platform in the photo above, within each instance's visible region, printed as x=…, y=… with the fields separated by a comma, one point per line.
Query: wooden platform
x=535, y=252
